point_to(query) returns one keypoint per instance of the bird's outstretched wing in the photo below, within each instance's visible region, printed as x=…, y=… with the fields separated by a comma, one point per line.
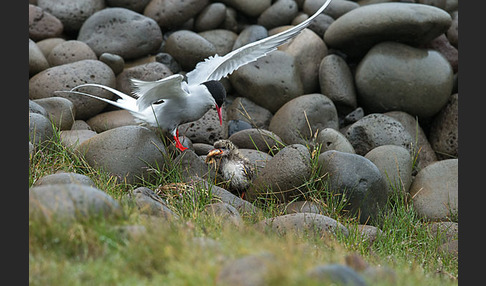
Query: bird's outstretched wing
x=149, y=92
x=217, y=67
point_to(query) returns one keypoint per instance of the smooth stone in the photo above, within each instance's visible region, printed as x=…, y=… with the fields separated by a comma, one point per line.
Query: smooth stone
x=72, y=14
x=442, y=45
x=43, y=25
x=394, y=76
x=301, y=223
x=336, y=274
x=206, y=129
x=421, y=148
x=224, y=212
x=258, y=139
x=358, y=179
x=121, y=31
x=353, y=116
x=65, y=77
x=47, y=45
x=211, y=17
x=244, y=109
x=250, y=34
x=65, y=178
x=280, y=13
x=111, y=119
x=59, y=110
x=34, y=107
x=37, y=60
x=126, y=152
x=190, y=164
x=202, y=149
x=377, y=129
x=409, y=23
x=336, y=8
x=332, y=139
x=73, y=138
x=435, y=190
x=319, y=25
x=147, y=202
x=336, y=81
x=235, y=126
x=134, y=5
x=115, y=62
x=444, y=130
x=69, y=52
x=80, y=125
x=251, y=8
x=395, y=165
x=171, y=14
x=41, y=129
x=169, y=61
x=293, y=120
x=188, y=48
x=223, y=40
x=453, y=31
x=369, y=233
x=70, y=202
x=301, y=207
x=270, y=81
x=283, y=175
x=257, y=158
x=152, y=71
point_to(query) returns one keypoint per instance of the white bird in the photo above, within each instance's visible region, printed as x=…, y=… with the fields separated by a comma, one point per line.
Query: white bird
x=171, y=101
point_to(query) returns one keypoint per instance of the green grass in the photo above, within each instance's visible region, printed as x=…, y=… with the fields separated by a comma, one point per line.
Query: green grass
x=96, y=252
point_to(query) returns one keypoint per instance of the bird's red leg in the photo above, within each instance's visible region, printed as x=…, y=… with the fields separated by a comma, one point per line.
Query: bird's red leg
x=178, y=143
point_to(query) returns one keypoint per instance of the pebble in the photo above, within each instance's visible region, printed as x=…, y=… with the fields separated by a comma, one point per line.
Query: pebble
x=435, y=190
x=336, y=274
x=291, y=122
x=442, y=45
x=37, y=60
x=151, y=71
x=280, y=13
x=332, y=139
x=443, y=136
x=43, y=25
x=251, y=8
x=121, y=31
x=40, y=129
x=140, y=148
x=258, y=139
x=320, y=24
x=170, y=14
x=377, y=129
x=283, y=175
x=64, y=178
x=59, y=110
x=336, y=81
x=147, y=202
x=358, y=179
x=48, y=44
x=395, y=165
x=134, y=5
x=211, y=17
x=111, y=119
x=72, y=14
x=190, y=164
x=206, y=129
x=70, y=202
x=301, y=207
x=301, y=223
x=65, y=77
x=169, y=61
x=453, y=31
x=223, y=40
x=72, y=138
x=244, y=109
x=115, y=62
x=394, y=76
x=236, y=126
x=225, y=212
x=69, y=52
x=250, y=34
x=408, y=23
x=258, y=158
x=188, y=48
x=270, y=81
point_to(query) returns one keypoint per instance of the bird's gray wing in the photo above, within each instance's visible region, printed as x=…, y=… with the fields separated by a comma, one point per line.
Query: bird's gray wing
x=217, y=67
x=149, y=92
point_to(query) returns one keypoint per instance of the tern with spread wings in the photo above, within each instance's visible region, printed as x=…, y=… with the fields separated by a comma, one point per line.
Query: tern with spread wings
x=171, y=101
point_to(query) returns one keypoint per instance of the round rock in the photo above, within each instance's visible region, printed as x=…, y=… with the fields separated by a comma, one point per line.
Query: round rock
x=188, y=48
x=111, y=119
x=222, y=40
x=358, y=179
x=270, y=81
x=246, y=110
x=435, y=191
x=283, y=174
x=210, y=17
x=358, y=30
x=250, y=34
x=69, y=52
x=127, y=152
x=134, y=5
x=65, y=77
x=259, y=139
x=291, y=122
x=252, y=8
x=121, y=31
x=37, y=60
x=152, y=71
x=375, y=130
x=394, y=76
x=72, y=14
x=65, y=178
x=60, y=111
x=43, y=25
x=40, y=128
x=395, y=164
x=115, y=62
x=70, y=202
x=170, y=14
x=336, y=81
x=331, y=139
x=281, y=13
x=47, y=45
x=444, y=137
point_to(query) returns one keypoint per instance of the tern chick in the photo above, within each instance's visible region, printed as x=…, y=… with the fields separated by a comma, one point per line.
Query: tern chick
x=233, y=167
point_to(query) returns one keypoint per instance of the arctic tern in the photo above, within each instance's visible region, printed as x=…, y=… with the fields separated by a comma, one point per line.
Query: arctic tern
x=171, y=101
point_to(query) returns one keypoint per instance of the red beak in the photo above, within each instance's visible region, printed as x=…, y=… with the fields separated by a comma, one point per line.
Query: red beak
x=218, y=109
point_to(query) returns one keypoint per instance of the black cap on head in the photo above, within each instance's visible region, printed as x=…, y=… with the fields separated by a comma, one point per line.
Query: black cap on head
x=217, y=91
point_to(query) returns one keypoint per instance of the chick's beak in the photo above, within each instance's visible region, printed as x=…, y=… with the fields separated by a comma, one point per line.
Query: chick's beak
x=213, y=153
x=218, y=109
